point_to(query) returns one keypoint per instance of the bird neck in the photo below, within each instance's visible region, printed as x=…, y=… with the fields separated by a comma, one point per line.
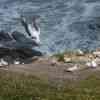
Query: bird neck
x=35, y=26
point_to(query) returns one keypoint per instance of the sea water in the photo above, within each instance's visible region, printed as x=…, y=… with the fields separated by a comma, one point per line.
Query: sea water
x=65, y=24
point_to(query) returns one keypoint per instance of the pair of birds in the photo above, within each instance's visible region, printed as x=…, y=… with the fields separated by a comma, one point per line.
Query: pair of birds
x=17, y=39
x=5, y=63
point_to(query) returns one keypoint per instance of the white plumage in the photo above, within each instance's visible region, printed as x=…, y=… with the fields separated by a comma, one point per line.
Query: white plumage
x=88, y=64
x=74, y=68
x=3, y=63
x=92, y=64
x=16, y=62
x=17, y=39
x=34, y=33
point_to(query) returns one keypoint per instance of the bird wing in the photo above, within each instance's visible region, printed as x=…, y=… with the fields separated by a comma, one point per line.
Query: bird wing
x=5, y=36
x=24, y=23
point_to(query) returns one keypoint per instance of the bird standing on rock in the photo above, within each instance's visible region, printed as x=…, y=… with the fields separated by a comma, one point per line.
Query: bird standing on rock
x=18, y=40
x=72, y=69
x=3, y=63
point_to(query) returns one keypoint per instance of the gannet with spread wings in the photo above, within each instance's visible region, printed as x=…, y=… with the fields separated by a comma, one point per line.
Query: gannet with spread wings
x=32, y=30
x=17, y=39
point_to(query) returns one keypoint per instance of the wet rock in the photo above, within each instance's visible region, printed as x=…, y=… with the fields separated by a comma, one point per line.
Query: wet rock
x=20, y=55
x=35, y=58
x=31, y=60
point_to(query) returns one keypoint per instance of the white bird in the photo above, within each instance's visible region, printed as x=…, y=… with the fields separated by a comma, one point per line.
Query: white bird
x=32, y=30
x=17, y=39
x=92, y=64
x=23, y=63
x=74, y=68
x=80, y=52
x=16, y=62
x=2, y=62
x=34, y=33
x=88, y=64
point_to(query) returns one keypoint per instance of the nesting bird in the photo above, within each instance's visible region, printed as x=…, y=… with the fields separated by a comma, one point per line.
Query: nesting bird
x=16, y=62
x=3, y=63
x=92, y=64
x=74, y=68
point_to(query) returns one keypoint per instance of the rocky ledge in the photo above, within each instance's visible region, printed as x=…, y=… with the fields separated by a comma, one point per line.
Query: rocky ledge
x=78, y=59
x=17, y=56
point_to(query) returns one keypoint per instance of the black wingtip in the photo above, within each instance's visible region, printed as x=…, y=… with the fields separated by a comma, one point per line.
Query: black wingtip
x=23, y=20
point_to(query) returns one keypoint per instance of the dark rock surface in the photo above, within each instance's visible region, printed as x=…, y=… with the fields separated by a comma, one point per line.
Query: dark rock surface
x=23, y=55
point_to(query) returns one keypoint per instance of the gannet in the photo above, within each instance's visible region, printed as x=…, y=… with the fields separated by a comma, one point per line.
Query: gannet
x=32, y=29
x=17, y=39
x=3, y=63
x=74, y=68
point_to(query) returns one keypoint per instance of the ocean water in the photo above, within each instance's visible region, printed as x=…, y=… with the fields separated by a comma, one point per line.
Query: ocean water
x=65, y=24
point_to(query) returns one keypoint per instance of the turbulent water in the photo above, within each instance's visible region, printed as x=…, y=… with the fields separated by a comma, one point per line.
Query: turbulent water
x=65, y=24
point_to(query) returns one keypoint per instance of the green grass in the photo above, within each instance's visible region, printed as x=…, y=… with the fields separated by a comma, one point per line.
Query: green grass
x=15, y=86
x=60, y=57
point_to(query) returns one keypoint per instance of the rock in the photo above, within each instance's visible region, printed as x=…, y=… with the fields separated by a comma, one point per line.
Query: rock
x=97, y=60
x=17, y=54
x=35, y=58
x=67, y=60
x=54, y=62
x=92, y=64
